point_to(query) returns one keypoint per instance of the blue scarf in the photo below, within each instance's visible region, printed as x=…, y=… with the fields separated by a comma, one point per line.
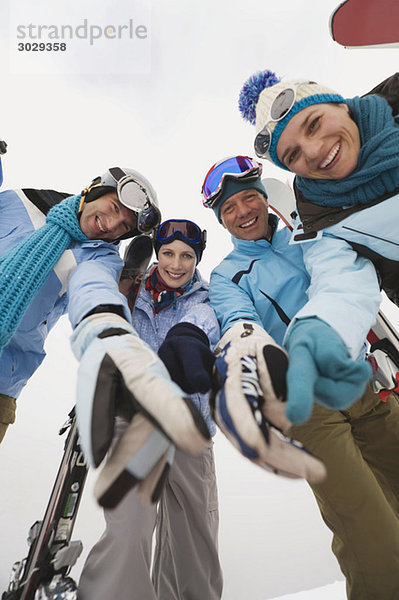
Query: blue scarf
x=377, y=170
x=25, y=268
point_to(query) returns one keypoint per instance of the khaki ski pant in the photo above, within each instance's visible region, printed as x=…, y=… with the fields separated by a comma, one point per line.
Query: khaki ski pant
x=8, y=407
x=186, y=564
x=359, y=501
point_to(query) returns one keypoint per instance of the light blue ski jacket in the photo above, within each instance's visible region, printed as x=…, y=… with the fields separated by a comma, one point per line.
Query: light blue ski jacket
x=192, y=307
x=267, y=282
x=84, y=277
x=375, y=227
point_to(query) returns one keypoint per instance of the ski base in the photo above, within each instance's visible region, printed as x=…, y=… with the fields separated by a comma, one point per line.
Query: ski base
x=51, y=553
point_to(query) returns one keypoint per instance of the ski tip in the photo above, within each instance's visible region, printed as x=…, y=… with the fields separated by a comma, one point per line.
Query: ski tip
x=362, y=24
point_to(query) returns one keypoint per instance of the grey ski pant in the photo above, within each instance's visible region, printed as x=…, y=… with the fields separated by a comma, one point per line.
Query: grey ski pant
x=185, y=564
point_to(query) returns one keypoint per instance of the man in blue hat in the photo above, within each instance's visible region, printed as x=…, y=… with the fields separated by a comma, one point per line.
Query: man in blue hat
x=260, y=294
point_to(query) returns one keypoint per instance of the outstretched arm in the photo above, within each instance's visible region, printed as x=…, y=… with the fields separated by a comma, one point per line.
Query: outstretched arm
x=249, y=390
x=327, y=335
x=120, y=375
x=344, y=290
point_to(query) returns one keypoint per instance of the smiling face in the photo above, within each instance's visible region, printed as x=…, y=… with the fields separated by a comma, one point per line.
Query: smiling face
x=106, y=218
x=176, y=263
x=320, y=142
x=245, y=215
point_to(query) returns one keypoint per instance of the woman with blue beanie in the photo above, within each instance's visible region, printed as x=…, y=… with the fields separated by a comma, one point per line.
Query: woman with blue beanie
x=173, y=315
x=345, y=155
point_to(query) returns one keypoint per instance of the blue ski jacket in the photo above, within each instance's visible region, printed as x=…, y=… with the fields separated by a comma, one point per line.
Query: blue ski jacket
x=267, y=282
x=85, y=276
x=192, y=307
x=371, y=231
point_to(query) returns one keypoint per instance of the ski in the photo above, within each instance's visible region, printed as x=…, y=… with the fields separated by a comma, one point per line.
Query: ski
x=383, y=337
x=43, y=574
x=366, y=24
x=384, y=356
x=50, y=551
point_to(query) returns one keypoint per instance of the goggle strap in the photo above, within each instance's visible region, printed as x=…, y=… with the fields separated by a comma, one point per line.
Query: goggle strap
x=94, y=184
x=200, y=238
x=117, y=173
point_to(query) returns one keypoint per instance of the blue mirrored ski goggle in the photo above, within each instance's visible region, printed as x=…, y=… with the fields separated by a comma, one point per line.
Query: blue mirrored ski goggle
x=236, y=167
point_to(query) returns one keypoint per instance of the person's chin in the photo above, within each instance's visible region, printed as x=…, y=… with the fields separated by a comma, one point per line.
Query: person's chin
x=173, y=282
x=249, y=233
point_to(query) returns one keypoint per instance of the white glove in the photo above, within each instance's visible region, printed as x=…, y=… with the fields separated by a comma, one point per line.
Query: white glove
x=117, y=367
x=140, y=458
x=248, y=402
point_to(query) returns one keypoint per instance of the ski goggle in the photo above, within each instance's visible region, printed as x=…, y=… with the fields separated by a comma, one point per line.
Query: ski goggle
x=281, y=106
x=187, y=231
x=133, y=195
x=235, y=167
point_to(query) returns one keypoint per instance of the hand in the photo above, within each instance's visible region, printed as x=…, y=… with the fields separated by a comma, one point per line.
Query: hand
x=141, y=458
x=321, y=370
x=115, y=365
x=186, y=354
x=247, y=402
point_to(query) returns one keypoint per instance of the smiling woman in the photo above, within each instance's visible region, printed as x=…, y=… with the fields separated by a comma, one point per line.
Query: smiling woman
x=179, y=245
x=320, y=142
x=345, y=155
x=176, y=263
x=173, y=315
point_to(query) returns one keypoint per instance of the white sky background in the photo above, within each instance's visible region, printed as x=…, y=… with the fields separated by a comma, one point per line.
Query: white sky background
x=171, y=124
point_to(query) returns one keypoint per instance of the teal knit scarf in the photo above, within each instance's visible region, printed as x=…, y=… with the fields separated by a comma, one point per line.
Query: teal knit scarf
x=24, y=269
x=377, y=170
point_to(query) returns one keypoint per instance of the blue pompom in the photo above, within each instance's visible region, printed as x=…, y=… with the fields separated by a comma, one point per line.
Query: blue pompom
x=251, y=89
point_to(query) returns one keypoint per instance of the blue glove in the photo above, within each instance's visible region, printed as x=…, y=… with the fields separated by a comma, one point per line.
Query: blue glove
x=321, y=370
x=188, y=358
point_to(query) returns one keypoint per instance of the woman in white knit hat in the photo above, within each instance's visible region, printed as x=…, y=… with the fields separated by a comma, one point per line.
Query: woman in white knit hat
x=345, y=154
